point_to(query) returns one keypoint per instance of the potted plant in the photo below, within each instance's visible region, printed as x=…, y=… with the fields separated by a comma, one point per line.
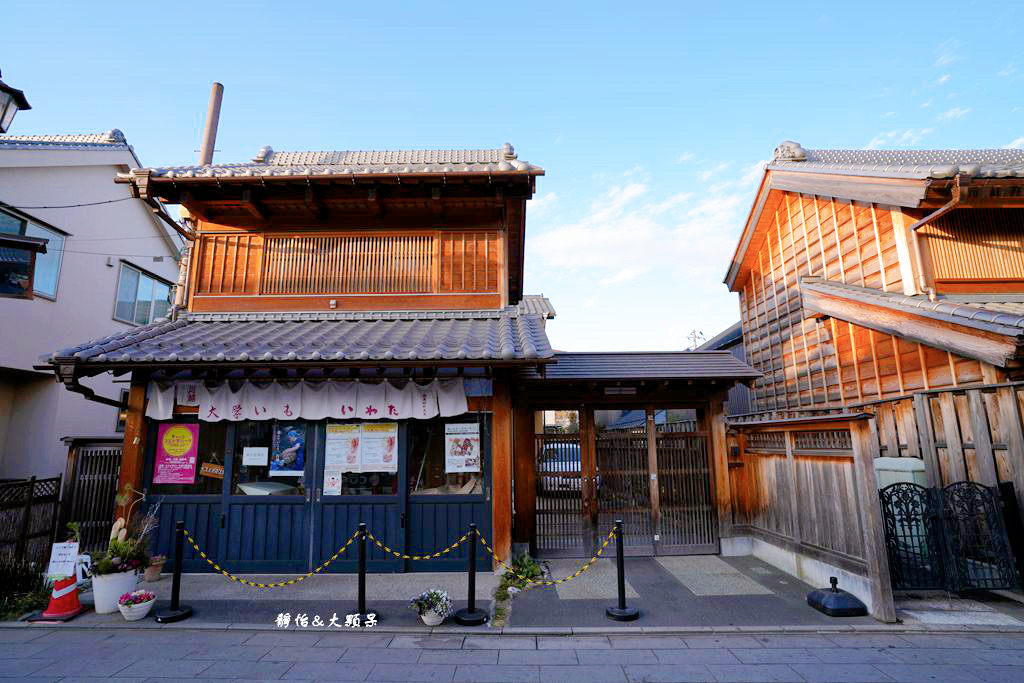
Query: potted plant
x=433, y=606
x=156, y=565
x=136, y=605
x=116, y=572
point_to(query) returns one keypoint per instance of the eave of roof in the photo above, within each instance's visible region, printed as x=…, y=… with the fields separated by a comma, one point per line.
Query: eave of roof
x=110, y=140
x=643, y=365
x=727, y=337
x=350, y=165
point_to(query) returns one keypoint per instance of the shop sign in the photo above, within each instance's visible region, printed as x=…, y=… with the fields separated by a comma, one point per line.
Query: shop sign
x=341, y=454
x=209, y=469
x=461, y=448
x=177, y=448
x=255, y=456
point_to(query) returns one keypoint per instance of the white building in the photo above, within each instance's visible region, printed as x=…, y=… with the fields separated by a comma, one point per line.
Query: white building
x=108, y=266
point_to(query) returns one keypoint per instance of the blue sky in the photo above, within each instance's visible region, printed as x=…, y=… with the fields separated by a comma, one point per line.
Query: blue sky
x=652, y=120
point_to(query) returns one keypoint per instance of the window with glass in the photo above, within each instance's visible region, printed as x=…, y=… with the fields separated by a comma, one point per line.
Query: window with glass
x=141, y=298
x=47, y=268
x=447, y=456
x=207, y=478
x=270, y=458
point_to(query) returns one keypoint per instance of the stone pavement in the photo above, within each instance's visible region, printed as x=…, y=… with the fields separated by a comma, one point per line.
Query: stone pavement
x=160, y=654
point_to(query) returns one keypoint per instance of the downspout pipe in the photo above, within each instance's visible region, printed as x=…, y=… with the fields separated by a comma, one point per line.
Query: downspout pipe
x=958, y=185
x=66, y=374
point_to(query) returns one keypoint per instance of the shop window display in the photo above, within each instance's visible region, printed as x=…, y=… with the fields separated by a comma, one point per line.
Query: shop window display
x=202, y=476
x=270, y=458
x=445, y=457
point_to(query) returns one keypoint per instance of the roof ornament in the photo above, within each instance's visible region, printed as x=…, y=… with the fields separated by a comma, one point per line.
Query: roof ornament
x=264, y=154
x=508, y=151
x=790, y=151
x=114, y=135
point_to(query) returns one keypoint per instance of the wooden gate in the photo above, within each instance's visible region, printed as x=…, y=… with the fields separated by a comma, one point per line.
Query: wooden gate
x=28, y=516
x=91, y=487
x=563, y=530
x=687, y=519
x=623, y=491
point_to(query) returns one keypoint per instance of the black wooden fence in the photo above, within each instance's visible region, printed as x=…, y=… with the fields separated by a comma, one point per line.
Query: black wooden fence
x=90, y=490
x=28, y=519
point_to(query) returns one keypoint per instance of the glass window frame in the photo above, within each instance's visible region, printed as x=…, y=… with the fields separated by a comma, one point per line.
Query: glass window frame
x=25, y=222
x=152, y=281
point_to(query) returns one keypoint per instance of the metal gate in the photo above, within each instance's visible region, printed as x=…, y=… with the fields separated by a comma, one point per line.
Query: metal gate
x=951, y=538
x=91, y=490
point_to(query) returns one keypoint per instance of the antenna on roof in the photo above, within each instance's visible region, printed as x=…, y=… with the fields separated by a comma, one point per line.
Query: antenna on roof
x=212, y=120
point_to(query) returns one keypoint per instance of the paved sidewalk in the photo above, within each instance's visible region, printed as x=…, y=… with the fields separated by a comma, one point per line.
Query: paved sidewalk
x=166, y=654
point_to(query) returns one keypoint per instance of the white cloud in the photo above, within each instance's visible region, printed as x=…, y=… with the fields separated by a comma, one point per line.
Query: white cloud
x=652, y=254
x=943, y=79
x=1006, y=71
x=900, y=137
x=684, y=157
x=542, y=203
x=954, y=113
x=888, y=114
x=709, y=173
x=946, y=53
x=927, y=103
x=1016, y=144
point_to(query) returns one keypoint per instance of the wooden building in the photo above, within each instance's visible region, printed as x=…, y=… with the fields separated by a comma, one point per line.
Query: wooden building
x=882, y=300
x=351, y=343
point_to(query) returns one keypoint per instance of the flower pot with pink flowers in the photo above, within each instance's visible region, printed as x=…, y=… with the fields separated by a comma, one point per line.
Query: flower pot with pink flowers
x=136, y=605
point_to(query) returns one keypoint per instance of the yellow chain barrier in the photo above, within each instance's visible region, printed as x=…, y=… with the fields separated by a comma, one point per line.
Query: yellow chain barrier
x=403, y=556
x=531, y=583
x=276, y=584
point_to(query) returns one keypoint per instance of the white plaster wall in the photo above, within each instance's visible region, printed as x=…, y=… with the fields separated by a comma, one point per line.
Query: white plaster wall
x=39, y=411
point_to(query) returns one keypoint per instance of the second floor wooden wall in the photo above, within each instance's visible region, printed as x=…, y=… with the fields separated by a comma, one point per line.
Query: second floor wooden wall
x=807, y=362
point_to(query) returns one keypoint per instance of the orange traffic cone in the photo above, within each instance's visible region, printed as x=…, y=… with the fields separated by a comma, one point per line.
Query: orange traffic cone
x=64, y=602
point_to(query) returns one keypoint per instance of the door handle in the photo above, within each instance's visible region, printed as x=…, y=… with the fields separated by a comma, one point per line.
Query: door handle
x=222, y=518
x=401, y=521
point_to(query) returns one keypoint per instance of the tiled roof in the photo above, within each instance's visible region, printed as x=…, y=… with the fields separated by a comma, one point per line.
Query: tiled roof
x=900, y=163
x=112, y=139
x=644, y=365
x=262, y=337
x=1006, y=318
x=269, y=163
x=536, y=304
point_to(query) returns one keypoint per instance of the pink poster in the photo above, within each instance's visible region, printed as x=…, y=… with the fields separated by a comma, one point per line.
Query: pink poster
x=177, y=448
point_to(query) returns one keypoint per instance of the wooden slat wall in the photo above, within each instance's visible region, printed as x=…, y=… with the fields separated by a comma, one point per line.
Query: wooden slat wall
x=228, y=264
x=470, y=261
x=807, y=363
x=977, y=244
x=443, y=262
x=799, y=487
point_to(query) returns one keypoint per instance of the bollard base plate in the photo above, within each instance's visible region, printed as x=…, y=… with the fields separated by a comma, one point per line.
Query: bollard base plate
x=627, y=614
x=466, y=618
x=169, y=616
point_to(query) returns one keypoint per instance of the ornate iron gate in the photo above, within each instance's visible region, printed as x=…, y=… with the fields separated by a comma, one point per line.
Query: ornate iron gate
x=952, y=538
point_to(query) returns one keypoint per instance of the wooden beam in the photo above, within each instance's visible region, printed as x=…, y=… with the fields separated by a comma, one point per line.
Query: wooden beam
x=652, y=469
x=133, y=451
x=955, y=468
x=719, y=460
x=865, y=450
x=501, y=471
x=249, y=203
x=793, y=489
x=984, y=458
x=313, y=203
x=524, y=469
x=999, y=350
x=880, y=190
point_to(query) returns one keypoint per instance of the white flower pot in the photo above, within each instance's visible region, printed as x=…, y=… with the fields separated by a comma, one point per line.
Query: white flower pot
x=431, y=618
x=136, y=612
x=107, y=589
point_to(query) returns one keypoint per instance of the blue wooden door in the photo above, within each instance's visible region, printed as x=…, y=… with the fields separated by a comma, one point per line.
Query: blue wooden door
x=267, y=517
x=378, y=499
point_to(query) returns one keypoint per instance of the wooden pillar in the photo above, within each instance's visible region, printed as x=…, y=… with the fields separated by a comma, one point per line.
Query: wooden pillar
x=133, y=452
x=926, y=438
x=652, y=470
x=719, y=460
x=865, y=450
x=524, y=462
x=501, y=471
x=793, y=486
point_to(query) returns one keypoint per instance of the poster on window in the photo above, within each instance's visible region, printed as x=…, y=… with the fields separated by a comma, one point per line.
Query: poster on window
x=177, y=449
x=461, y=448
x=288, y=450
x=341, y=454
x=379, y=447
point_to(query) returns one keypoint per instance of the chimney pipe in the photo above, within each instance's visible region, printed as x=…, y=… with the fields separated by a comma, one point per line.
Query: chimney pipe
x=212, y=119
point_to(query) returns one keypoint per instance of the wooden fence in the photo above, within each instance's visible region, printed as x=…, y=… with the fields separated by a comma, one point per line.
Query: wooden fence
x=809, y=488
x=28, y=518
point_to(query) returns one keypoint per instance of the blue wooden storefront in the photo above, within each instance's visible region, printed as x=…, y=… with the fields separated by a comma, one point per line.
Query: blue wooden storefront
x=296, y=533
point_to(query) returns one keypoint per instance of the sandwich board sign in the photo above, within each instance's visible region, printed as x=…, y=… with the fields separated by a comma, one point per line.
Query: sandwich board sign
x=63, y=558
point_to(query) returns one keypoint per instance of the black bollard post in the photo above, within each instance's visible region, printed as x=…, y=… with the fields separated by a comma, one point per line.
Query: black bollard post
x=471, y=616
x=621, y=612
x=176, y=612
x=362, y=611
